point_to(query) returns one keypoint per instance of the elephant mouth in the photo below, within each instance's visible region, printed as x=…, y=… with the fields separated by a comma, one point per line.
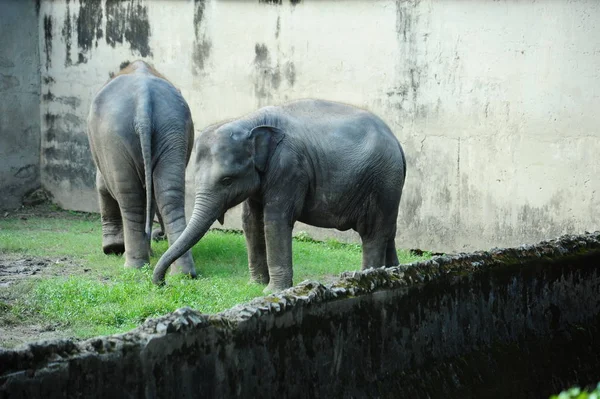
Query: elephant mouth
x=221, y=218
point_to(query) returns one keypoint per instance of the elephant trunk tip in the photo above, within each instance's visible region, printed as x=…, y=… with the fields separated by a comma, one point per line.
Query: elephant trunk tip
x=158, y=281
x=158, y=277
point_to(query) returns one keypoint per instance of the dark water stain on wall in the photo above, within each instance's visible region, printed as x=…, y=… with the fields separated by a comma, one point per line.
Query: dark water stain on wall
x=542, y=221
x=137, y=31
x=404, y=95
x=127, y=21
x=268, y=77
x=116, y=17
x=202, y=45
x=263, y=71
x=290, y=73
x=66, y=153
x=48, y=97
x=89, y=27
x=201, y=53
x=67, y=34
x=49, y=120
x=71, y=101
x=294, y=2
x=199, y=6
x=48, y=39
x=261, y=53
x=404, y=18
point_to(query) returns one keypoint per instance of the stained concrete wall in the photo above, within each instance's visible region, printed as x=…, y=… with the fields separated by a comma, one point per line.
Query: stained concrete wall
x=518, y=323
x=19, y=102
x=496, y=103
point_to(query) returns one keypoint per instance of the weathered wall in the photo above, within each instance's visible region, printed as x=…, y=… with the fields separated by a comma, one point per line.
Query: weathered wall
x=19, y=102
x=518, y=323
x=496, y=103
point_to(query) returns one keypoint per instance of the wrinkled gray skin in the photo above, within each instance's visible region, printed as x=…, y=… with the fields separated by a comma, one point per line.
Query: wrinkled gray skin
x=141, y=135
x=322, y=163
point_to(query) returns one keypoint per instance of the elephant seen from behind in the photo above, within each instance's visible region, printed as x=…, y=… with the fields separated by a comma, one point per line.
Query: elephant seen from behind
x=141, y=135
x=322, y=163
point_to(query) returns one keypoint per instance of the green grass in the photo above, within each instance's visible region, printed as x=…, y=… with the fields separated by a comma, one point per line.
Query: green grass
x=89, y=293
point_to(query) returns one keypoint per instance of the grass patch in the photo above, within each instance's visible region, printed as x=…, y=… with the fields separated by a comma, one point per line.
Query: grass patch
x=87, y=293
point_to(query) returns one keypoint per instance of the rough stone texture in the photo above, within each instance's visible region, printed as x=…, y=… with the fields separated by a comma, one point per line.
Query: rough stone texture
x=494, y=102
x=19, y=102
x=518, y=322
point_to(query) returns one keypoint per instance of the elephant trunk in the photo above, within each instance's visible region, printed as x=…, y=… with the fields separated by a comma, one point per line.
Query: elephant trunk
x=204, y=215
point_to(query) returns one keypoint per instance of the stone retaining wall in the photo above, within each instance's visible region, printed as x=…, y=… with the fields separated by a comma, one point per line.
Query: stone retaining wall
x=515, y=322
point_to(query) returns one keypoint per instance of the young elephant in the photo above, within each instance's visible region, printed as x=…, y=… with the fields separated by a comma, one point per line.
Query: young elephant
x=322, y=163
x=141, y=135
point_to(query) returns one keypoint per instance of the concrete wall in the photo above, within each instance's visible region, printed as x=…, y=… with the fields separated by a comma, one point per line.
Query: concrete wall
x=516, y=323
x=496, y=103
x=19, y=102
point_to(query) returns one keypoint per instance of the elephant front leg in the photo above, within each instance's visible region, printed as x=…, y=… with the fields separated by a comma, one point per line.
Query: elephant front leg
x=391, y=256
x=112, y=224
x=373, y=252
x=254, y=231
x=169, y=184
x=278, y=235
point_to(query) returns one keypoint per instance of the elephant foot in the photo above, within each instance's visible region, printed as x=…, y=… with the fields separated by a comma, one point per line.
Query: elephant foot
x=274, y=288
x=184, y=265
x=260, y=279
x=136, y=263
x=158, y=235
x=191, y=272
x=112, y=246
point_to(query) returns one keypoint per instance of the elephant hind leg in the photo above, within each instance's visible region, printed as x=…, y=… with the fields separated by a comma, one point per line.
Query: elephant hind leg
x=112, y=224
x=169, y=188
x=132, y=201
x=137, y=246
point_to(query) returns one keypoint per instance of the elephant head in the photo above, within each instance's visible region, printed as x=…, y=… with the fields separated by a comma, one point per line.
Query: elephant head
x=230, y=161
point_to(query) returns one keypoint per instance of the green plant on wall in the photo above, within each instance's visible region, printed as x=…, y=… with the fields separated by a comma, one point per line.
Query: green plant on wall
x=578, y=393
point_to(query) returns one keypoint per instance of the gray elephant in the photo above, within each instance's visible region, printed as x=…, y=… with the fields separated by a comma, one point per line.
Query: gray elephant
x=322, y=163
x=141, y=135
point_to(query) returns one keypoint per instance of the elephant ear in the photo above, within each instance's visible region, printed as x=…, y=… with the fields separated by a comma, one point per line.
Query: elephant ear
x=265, y=140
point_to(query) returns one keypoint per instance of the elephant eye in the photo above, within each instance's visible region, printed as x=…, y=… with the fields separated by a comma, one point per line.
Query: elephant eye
x=226, y=181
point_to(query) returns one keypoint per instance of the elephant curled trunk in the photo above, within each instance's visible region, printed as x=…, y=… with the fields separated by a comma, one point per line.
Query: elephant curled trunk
x=204, y=215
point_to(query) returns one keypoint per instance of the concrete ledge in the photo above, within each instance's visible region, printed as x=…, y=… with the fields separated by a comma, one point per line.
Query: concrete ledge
x=516, y=322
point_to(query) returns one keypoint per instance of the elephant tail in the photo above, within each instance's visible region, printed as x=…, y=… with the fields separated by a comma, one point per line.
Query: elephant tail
x=143, y=128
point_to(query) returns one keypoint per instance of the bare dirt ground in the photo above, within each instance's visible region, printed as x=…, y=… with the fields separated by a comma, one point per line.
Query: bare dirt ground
x=17, y=272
